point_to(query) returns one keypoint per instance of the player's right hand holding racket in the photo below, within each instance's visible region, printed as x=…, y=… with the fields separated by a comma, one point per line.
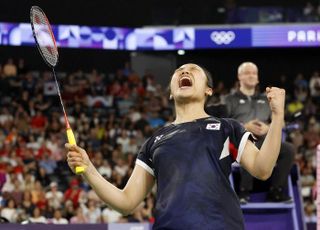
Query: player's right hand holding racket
x=77, y=157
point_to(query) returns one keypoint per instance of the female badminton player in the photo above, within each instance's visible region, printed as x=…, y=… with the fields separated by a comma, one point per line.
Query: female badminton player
x=190, y=160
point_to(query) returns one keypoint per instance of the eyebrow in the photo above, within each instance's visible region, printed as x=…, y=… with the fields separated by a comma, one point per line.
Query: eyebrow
x=178, y=69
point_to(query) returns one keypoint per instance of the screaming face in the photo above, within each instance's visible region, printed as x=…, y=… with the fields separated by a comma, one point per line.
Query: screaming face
x=185, y=81
x=189, y=83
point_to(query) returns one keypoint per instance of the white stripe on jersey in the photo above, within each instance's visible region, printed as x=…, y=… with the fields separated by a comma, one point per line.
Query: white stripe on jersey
x=145, y=166
x=225, y=151
x=242, y=145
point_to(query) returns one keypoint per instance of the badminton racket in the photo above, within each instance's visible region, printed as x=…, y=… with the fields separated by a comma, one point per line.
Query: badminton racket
x=47, y=47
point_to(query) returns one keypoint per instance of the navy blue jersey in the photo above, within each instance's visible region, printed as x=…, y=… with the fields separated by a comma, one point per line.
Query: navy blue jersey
x=191, y=163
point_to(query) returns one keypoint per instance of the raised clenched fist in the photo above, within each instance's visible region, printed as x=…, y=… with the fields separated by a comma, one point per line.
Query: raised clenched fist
x=276, y=98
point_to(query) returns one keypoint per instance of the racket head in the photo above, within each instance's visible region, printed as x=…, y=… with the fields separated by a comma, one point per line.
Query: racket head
x=44, y=36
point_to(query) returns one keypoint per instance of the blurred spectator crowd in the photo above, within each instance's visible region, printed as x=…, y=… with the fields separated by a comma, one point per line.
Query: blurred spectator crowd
x=278, y=13
x=235, y=12
x=111, y=115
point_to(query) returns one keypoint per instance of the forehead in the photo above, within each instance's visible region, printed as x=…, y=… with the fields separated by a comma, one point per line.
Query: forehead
x=189, y=66
x=249, y=67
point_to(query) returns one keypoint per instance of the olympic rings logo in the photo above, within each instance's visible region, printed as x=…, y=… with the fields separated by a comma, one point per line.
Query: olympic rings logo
x=222, y=37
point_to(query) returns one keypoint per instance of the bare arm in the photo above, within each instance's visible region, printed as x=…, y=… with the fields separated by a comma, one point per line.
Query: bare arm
x=260, y=163
x=125, y=200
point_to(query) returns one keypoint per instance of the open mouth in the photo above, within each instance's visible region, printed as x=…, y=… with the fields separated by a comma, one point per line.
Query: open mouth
x=185, y=81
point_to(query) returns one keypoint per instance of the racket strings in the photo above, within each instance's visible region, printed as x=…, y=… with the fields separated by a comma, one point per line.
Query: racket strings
x=44, y=37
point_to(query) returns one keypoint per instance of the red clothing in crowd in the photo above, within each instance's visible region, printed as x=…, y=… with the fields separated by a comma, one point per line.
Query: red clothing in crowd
x=38, y=122
x=73, y=193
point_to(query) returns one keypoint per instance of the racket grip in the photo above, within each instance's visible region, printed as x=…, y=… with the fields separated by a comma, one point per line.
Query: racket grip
x=72, y=141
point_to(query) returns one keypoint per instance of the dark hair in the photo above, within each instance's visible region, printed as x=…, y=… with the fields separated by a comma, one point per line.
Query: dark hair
x=208, y=75
x=210, y=84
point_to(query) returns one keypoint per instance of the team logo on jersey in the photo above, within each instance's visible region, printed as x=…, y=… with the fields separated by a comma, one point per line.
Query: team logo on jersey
x=158, y=138
x=242, y=101
x=261, y=101
x=167, y=136
x=213, y=126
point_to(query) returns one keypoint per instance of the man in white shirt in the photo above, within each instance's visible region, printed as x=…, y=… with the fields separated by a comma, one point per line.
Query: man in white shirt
x=54, y=196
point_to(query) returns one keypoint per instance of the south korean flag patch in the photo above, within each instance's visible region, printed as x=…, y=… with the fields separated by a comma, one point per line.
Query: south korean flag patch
x=213, y=126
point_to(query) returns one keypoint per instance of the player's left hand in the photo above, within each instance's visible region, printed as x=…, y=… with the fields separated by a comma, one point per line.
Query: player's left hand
x=263, y=128
x=276, y=98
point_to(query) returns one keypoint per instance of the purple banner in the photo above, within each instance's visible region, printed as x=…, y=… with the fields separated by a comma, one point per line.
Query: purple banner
x=91, y=37
x=286, y=36
x=116, y=226
x=223, y=38
x=171, y=38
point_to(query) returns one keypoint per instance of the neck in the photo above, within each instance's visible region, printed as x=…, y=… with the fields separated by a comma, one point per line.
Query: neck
x=247, y=91
x=189, y=112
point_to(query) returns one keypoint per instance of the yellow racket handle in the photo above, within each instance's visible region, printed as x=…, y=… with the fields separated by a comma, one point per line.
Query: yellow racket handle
x=72, y=141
